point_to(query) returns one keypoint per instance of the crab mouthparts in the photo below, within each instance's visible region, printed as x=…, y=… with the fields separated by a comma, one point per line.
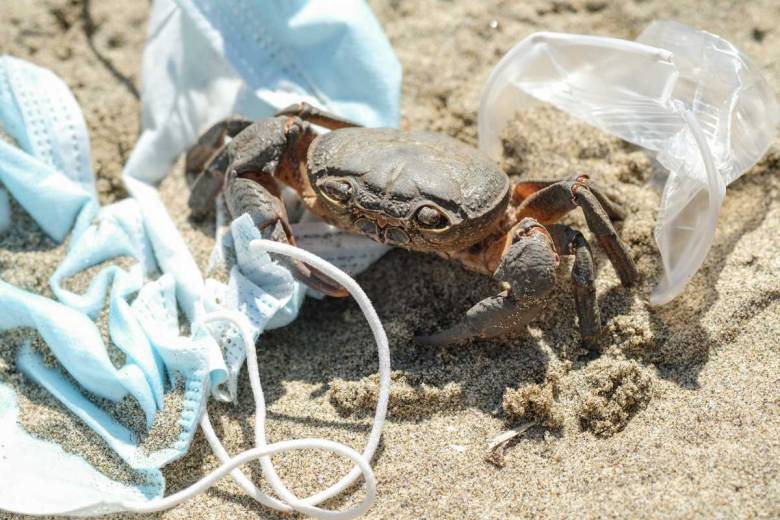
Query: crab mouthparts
x=381, y=232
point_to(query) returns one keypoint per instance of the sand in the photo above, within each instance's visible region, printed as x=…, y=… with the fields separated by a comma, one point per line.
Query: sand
x=676, y=413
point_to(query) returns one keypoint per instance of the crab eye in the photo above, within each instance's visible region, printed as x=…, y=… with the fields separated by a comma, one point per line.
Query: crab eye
x=338, y=190
x=431, y=218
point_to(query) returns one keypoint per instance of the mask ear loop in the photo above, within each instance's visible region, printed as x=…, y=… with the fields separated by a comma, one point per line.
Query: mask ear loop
x=262, y=451
x=231, y=464
x=383, y=351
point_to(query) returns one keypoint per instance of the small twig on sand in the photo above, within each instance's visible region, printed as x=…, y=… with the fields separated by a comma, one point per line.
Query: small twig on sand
x=500, y=443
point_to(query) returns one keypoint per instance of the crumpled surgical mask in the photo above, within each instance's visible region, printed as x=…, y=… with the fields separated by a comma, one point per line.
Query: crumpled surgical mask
x=688, y=96
x=204, y=61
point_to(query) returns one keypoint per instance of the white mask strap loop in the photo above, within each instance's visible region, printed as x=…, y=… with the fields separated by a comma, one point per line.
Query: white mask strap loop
x=263, y=450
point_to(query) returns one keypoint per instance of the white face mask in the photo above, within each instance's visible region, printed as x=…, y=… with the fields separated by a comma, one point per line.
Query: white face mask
x=197, y=72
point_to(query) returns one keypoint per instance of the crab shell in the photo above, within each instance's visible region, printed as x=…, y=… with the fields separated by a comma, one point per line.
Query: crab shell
x=377, y=182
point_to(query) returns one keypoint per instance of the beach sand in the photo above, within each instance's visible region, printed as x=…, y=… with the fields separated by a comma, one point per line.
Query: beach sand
x=677, y=413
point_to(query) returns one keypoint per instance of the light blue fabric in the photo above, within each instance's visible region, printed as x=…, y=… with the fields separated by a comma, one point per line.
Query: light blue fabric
x=212, y=59
x=204, y=60
x=40, y=477
x=262, y=290
x=50, y=173
x=317, y=48
x=74, y=339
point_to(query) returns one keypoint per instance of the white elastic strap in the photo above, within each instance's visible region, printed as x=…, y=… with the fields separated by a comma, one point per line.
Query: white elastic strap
x=212, y=478
x=384, y=369
x=263, y=450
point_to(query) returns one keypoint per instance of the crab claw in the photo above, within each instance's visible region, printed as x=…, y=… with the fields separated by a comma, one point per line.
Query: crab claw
x=495, y=316
x=528, y=269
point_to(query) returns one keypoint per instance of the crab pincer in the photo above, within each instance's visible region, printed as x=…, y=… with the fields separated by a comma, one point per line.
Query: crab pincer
x=527, y=272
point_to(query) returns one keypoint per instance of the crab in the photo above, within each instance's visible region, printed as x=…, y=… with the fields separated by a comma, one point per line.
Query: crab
x=416, y=190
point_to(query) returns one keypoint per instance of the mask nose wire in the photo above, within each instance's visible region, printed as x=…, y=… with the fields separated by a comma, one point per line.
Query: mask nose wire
x=263, y=450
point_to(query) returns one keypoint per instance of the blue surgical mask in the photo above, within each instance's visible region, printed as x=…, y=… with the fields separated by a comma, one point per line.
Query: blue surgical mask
x=202, y=62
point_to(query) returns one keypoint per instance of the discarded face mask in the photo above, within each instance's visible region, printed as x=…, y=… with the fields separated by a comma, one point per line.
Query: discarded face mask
x=58, y=486
x=688, y=96
x=212, y=76
x=206, y=61
x=251, y=59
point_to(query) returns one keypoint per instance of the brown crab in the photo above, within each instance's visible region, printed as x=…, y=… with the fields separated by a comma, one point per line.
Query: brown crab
x=420, y=191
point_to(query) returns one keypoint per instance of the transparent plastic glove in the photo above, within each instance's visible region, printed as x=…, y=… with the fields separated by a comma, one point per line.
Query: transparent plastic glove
x=689, y=96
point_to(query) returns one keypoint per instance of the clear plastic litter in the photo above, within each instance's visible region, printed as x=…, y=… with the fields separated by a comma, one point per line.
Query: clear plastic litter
x=688, y=96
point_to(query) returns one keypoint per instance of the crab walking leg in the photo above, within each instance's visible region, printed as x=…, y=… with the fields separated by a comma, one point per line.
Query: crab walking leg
x=211, y=142
x=206, y=187
x=316, y=116
x=608, y=239
x=267, y=211
x=526, y=188
x=528, y=269
x=549, y=204
x=569, y=241
x=205, y=165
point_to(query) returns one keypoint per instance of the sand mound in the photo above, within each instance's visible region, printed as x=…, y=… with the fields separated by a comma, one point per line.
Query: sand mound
x=617, y=391
x=409, y=398
x=534, y=403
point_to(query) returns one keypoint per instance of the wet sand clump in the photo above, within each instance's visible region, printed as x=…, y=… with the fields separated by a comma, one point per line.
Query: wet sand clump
x=617, y=390
x=408, y=398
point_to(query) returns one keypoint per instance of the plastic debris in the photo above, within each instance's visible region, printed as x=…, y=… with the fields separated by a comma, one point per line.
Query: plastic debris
x=688, y=96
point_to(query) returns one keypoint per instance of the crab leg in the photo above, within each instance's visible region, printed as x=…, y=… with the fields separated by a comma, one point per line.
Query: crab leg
x=569, y=241
x=528, y=270
x=205, y=167
x=524, y=189
x=550, y=203
x=211, y=141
